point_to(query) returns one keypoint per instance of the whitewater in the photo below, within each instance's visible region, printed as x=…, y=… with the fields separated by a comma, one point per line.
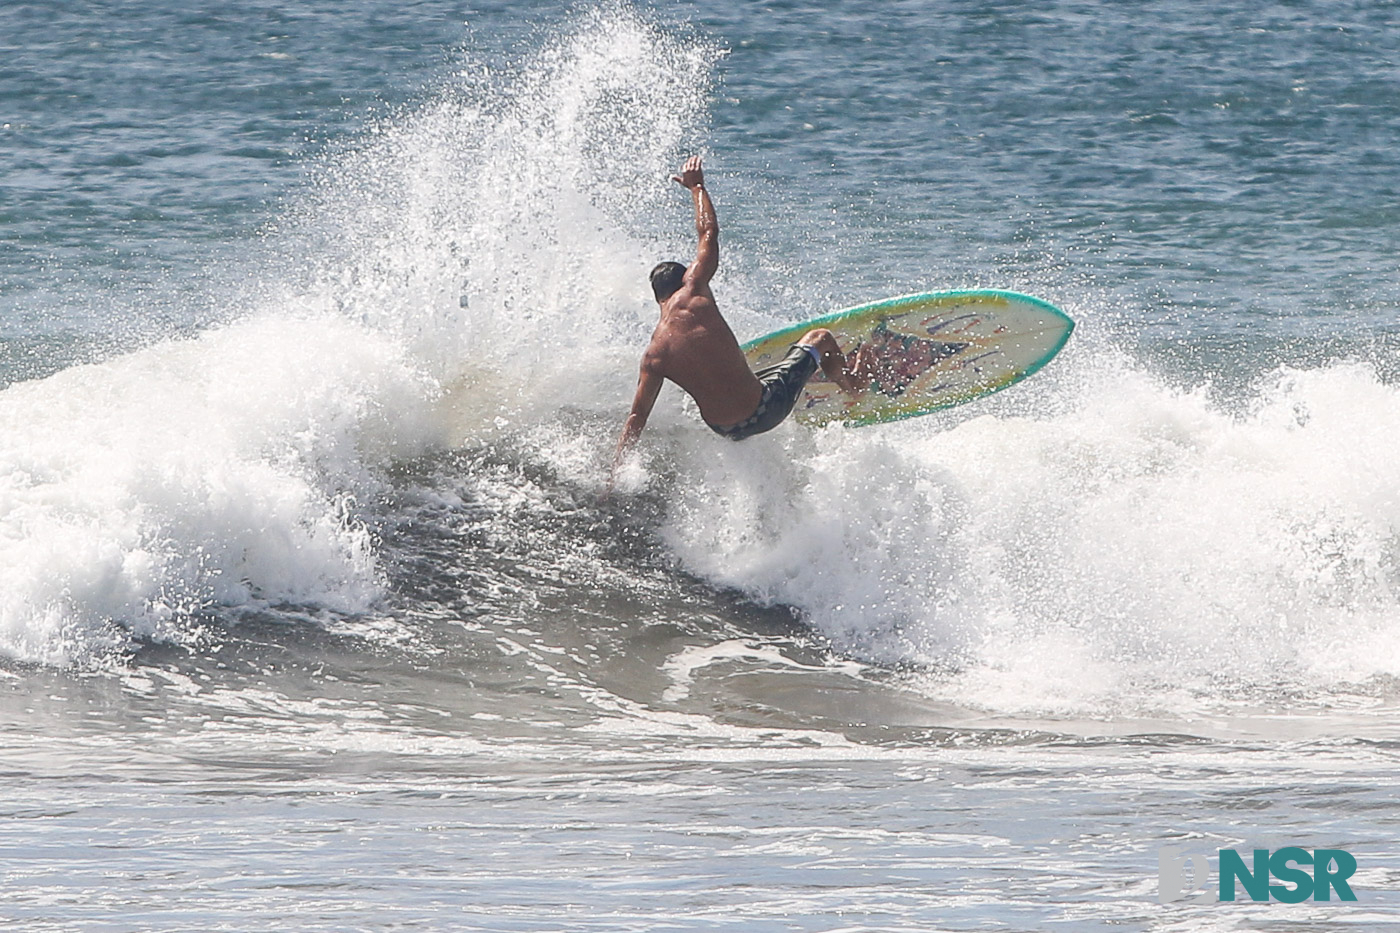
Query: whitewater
x=325, y=567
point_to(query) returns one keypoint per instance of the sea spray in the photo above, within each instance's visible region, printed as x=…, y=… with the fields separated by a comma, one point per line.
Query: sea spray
x=1095, y=541
x=511, y=222
x=466, y=272
x=1147, y=550
x=213, y=471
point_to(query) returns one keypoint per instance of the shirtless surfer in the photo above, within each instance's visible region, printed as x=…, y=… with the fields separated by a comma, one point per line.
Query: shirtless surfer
x=694, y=347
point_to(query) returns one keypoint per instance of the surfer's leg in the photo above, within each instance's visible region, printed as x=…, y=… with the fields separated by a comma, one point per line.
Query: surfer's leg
x=833, y=360
x=782, y=384
x=860, y=365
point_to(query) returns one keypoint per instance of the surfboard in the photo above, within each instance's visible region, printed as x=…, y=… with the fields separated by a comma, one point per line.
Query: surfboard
x=930, y=351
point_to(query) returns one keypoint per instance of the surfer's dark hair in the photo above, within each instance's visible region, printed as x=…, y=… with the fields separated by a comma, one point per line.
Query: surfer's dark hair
x=666, y=278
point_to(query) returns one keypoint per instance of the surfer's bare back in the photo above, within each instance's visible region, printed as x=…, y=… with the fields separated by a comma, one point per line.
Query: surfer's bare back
x=694, y=347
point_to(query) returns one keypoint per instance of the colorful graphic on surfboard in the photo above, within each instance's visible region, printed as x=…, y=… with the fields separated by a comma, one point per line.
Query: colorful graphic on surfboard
x=929, y=351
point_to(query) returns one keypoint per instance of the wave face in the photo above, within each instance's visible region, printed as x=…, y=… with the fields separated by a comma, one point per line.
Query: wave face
x=1100, y=541
x=466, y=269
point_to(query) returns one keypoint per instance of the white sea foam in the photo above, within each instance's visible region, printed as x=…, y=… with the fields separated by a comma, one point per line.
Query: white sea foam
x=1145, y=550
x=460, y=273
x=211, y=471
x=476, y=272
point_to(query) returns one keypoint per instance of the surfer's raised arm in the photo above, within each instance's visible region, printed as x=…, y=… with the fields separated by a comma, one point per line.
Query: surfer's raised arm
x=706, y=262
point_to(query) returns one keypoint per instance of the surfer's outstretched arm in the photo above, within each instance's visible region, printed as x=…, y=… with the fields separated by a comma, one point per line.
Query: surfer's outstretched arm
x=692, y=176
x=648, y=388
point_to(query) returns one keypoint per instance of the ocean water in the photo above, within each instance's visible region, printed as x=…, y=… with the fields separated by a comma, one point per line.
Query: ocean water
x=318, y=322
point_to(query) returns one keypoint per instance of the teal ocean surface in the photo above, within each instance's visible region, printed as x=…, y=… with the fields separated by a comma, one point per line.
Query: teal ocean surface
x=318, y=323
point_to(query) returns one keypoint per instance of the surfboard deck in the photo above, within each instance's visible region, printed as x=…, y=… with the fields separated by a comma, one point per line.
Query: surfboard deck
x=931, y=351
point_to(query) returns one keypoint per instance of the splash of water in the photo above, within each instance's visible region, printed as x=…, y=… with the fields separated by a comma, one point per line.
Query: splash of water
x=1095, y=542
x=1144, y=552
x=442, y=277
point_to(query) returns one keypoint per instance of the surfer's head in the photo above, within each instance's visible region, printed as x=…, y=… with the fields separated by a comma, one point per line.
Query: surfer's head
x=666, y=278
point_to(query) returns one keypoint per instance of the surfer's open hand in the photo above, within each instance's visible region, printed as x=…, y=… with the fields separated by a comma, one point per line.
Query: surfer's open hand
x=692, y=175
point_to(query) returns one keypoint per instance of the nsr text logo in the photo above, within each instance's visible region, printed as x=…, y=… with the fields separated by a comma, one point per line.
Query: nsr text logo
x=1330, y=870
